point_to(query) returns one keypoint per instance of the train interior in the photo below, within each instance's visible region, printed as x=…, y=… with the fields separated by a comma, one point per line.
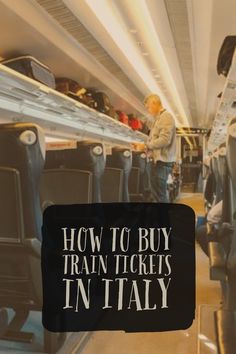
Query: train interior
x=73, y=129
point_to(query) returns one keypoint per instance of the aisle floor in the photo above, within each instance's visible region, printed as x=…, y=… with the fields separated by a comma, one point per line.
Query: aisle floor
x=177, y=342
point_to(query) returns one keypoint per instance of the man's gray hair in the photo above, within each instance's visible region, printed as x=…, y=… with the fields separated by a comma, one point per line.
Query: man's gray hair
x=153, y=96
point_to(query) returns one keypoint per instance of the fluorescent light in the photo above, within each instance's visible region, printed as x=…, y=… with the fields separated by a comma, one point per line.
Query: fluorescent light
x=104, y=11
x=142, y=15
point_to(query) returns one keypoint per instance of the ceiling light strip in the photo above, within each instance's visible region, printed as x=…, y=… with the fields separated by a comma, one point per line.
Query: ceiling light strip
x=104, y=11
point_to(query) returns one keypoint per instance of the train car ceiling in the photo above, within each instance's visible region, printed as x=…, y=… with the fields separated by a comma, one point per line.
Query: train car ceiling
x=166, y=46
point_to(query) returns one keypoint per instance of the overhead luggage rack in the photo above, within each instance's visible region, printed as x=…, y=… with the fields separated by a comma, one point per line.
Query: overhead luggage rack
x=23, y=99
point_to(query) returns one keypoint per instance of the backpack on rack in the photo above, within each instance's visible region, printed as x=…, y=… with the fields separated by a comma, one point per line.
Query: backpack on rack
x=113, y=114
x=66, y=86
x=135, y=123
x=123, y=118
x=74, y=90
x=145, y=130
x=101, y=100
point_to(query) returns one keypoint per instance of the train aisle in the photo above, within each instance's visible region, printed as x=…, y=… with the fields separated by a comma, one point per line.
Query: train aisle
x=178, y=342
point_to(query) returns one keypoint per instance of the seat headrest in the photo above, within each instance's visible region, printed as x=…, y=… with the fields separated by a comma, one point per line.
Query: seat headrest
x=124, y=151
x=22, y=148
x=26, y=134
x=97, y=148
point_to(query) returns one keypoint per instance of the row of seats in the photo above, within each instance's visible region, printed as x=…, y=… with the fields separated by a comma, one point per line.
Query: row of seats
x=32, y=179
x=85, y=174
x=221, y=186
x=21, y=163
x=29, y=181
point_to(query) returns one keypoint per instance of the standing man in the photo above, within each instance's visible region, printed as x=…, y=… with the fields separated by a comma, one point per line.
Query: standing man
x=161, y=146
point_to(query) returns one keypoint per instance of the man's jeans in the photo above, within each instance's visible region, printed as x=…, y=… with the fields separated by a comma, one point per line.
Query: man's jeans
x=159, y=175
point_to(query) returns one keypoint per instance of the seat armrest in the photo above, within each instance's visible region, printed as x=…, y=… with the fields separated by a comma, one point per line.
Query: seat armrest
x=217, y=257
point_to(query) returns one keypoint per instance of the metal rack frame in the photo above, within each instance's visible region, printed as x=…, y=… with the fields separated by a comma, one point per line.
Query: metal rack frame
x=24, y=99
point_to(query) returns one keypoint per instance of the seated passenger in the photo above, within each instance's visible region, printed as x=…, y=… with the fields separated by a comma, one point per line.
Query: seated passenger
x=213, y=218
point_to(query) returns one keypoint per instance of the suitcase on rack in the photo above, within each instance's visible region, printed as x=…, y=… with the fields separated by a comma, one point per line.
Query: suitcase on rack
x=101, y=100
x=226, y=55
x=31, y=67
